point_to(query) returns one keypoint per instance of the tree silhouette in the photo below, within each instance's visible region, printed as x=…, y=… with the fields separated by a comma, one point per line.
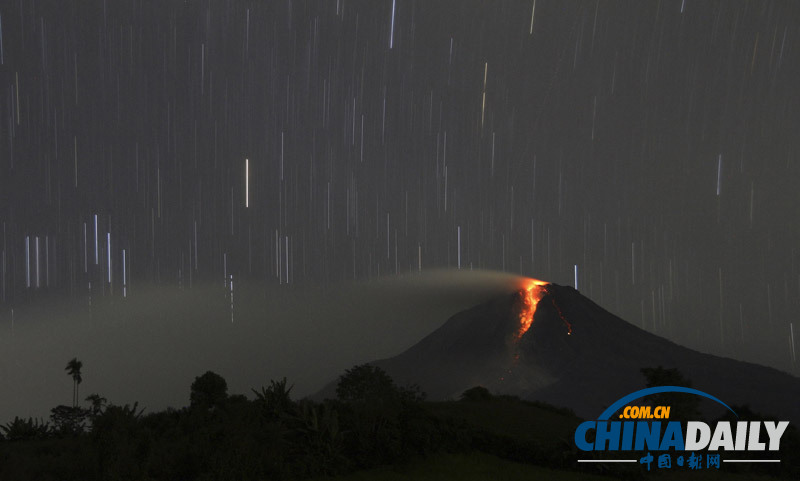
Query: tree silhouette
x=68, y=420
x=365, y=383
x=274, y=399
x=74, y=369
x=477, y=393
x=23, y=430
x=370, y=383
x=208, y=390
x=99, y=404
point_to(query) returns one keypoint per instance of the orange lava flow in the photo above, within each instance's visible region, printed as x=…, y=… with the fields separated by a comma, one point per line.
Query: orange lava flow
x=533, y=292
x=561, y=315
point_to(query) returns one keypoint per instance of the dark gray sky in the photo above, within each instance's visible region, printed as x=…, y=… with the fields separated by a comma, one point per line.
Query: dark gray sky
x=649, y=147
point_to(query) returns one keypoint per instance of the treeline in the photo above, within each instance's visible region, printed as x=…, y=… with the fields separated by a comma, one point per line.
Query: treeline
x=372, y=422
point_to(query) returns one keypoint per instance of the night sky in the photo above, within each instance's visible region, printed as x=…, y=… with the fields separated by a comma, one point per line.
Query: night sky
x=646, y=150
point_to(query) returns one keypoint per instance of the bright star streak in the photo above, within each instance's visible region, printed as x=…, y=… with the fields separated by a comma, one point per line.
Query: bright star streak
x=391, y=34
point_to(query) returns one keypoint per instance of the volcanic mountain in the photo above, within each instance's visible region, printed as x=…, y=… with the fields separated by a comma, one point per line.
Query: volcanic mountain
x=550, y=343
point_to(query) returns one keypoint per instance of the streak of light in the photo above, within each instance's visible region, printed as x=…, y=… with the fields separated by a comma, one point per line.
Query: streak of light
x=27, y=261
x=459, y=247
x=576, y=276
x=16, y=79
x=483, y=102
x=108, y=254
x=96, y=251
x=391, y=33
x=85, y=250
x=75, y=152
x=36, y=257
x=124, y=274
x=533, y=11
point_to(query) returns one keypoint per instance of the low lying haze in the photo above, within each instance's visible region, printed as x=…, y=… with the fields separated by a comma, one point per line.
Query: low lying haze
x=150, y=347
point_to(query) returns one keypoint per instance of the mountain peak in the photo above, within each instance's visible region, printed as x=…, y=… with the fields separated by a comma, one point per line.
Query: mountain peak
x=549, y=342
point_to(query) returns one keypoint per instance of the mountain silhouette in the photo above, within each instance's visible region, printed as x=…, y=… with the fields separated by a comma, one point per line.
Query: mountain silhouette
x=574, y=354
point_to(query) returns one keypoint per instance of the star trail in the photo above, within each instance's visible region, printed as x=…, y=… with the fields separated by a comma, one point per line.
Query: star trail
x=645, y=152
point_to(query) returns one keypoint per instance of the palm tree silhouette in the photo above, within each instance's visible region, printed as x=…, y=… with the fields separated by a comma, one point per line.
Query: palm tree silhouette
x=74, y=369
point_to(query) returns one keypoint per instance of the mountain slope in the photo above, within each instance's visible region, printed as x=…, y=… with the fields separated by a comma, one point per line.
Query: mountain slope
x=574, y=354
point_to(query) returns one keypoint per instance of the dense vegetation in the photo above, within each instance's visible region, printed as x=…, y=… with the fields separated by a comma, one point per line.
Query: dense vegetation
x=373, y=424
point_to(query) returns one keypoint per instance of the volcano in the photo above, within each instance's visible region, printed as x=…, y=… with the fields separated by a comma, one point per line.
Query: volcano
x=550, y=343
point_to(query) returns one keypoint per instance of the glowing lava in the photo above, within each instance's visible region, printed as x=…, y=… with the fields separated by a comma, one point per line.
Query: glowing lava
x=561, y=315
x=532, y=293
